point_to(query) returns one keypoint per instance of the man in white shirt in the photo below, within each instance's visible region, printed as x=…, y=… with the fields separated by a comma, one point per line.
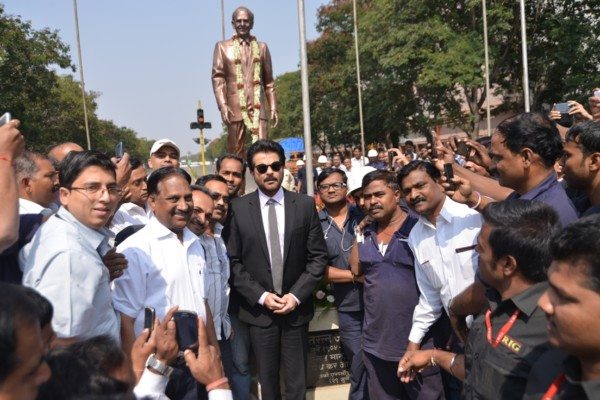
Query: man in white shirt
x=443, y=243
x=209, y=196
x=166, y=263
x=134, y=211
x=217, y=261
x=165, y=259
x=38, y=182
x=64, y=259
x=359, y=160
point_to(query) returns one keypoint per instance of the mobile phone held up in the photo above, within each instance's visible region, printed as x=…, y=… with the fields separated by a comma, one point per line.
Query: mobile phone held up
x=449, y=172
x=119, y=150
x=431, y=143
x=149, y=318
x=5, y=119
x=186, y=323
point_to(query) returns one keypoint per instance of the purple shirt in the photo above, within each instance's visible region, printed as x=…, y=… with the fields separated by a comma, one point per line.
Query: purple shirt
x=551, y=192
x=390, y=292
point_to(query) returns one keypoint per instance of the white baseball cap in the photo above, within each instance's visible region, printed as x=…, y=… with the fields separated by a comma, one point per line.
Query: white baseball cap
x=299, y=162
x=356, y=176
x=322, y=159
x=372, y=153
x=163, y=142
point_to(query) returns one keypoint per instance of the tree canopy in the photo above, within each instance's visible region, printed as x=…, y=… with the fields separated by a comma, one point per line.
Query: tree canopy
x=422, y=64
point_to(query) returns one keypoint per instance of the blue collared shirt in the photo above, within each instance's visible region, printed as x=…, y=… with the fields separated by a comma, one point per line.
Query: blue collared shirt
x=551, y=192
x=63, y=262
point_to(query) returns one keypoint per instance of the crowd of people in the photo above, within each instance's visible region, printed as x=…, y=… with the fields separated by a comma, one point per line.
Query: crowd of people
x=455, y=275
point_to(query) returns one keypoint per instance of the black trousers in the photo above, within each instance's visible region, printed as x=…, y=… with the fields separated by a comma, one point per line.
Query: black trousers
x=281, y=347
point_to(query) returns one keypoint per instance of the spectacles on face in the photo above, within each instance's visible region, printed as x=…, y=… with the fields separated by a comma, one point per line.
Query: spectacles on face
x=262, y=168
x=218, y=196
x=335, y=186
x=95, y=188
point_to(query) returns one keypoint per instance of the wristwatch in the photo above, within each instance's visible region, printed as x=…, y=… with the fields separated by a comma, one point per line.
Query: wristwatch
x=157, y=366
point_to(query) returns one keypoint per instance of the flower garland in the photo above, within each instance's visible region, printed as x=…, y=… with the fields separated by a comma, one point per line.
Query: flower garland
x=251, y=124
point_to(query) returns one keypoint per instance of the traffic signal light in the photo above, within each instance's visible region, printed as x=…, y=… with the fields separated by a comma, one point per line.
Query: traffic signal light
x=200, y=124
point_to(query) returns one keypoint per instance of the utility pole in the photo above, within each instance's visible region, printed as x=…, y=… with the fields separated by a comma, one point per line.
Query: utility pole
x=305, y=100
x=85, y=114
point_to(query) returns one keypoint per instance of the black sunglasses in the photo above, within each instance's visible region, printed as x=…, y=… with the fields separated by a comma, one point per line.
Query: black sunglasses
x=262, y=168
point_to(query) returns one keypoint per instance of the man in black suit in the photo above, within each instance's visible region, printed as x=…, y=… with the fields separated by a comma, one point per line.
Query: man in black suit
x=278, y=255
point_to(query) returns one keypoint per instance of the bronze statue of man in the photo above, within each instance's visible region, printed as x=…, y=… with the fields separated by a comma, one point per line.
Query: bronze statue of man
x=243, y=83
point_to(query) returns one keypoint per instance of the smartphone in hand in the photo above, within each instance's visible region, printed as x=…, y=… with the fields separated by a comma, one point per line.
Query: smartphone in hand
x=149, y=318
x=449, y=172
x=119, y=150
x=186, y=323
x=431, y=142
x=5, y=119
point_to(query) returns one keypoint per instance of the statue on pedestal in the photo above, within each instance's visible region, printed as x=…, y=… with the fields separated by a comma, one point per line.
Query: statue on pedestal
x=242, y=77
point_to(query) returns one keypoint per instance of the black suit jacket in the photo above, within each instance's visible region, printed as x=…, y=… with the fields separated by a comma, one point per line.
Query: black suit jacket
x=304, y=257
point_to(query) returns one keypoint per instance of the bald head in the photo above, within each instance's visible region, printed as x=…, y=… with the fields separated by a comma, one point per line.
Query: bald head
x=60, y=151
x=238, y=10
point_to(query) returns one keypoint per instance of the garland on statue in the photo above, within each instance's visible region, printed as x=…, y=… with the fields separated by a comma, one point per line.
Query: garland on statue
x=251, y=124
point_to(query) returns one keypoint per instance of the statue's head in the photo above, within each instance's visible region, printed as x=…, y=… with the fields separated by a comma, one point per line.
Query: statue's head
x=242, y=21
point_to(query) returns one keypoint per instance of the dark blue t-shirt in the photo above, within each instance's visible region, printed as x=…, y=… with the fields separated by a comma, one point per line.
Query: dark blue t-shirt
x=551, y=192
x=9, y=259
x=348, y=296
x=390, y=292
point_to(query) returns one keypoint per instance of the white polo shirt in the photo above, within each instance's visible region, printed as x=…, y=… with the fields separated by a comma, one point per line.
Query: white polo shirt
x=162, y=272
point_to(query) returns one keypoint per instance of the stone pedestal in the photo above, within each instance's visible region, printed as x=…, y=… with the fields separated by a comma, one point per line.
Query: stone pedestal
x=327, y=368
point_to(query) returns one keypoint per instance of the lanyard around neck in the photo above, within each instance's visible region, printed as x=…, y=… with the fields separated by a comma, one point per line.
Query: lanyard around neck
x=553, y=389
x=503, y=331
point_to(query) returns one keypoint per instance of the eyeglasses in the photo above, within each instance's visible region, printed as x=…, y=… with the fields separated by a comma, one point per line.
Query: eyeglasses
x=262, y=168
x=95, y=188
x=217, y=196
x=335, y=186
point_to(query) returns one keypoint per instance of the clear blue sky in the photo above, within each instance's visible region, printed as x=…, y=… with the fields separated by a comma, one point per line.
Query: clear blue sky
x=151, y=60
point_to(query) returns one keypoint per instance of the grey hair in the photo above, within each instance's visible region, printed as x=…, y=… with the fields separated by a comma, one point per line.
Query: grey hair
x=25, y=166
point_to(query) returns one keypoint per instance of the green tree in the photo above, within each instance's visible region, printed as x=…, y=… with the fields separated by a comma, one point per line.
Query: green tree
x=289, y=98
x=422, y=63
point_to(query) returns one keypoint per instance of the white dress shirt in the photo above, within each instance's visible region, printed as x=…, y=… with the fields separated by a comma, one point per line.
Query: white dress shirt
x=359, y=162
x=445, y=261
x=63, y=262
x=30, y=207
x=280, y=213
x=162, y=272
x=152, y=387
x=216, y=280
x=128, y=214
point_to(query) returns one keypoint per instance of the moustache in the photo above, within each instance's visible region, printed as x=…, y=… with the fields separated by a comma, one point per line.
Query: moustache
x=417, y=200
x=373, y=208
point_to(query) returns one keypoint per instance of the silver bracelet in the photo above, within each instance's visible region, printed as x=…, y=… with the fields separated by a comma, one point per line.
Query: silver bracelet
x=452, y=364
